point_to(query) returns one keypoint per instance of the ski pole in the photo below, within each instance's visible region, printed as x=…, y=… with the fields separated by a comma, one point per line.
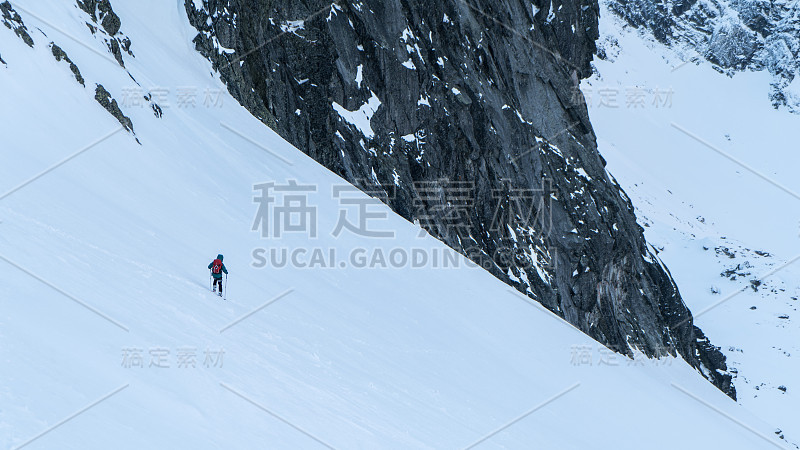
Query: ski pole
x=225, y=297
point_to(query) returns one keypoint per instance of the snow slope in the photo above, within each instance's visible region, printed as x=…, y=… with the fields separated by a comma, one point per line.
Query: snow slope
x=105, y=260
x=712, y=174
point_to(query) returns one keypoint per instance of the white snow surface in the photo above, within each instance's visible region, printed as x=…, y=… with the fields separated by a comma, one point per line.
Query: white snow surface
x=108, y=251
x=361, y=117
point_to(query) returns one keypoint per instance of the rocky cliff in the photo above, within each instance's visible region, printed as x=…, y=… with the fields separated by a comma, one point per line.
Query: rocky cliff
x=463, y=115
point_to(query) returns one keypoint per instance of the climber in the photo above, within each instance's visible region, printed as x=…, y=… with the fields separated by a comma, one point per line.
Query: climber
x=217, y=268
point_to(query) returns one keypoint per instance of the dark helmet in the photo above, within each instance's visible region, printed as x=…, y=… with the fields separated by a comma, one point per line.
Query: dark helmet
x=219, y=257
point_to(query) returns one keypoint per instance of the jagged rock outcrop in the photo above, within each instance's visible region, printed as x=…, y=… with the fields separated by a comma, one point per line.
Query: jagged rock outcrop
x=13, y=22
x=733, y=35
x=106, y=21
x=462, y=116
x=99, y=10
x=105, y=100
x=60, y=55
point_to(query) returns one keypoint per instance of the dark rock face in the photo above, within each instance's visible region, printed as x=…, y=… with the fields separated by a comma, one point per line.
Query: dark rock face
x=473, y=130
x=733, y=35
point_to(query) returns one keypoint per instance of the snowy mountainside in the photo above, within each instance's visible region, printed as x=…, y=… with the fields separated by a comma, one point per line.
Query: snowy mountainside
x=734, y=35
x=109, y=337
x=458, y=116
x=710, y=169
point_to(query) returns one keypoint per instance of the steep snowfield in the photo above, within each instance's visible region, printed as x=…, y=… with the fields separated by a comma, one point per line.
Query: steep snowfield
x=104, y=258
x=712, y=174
